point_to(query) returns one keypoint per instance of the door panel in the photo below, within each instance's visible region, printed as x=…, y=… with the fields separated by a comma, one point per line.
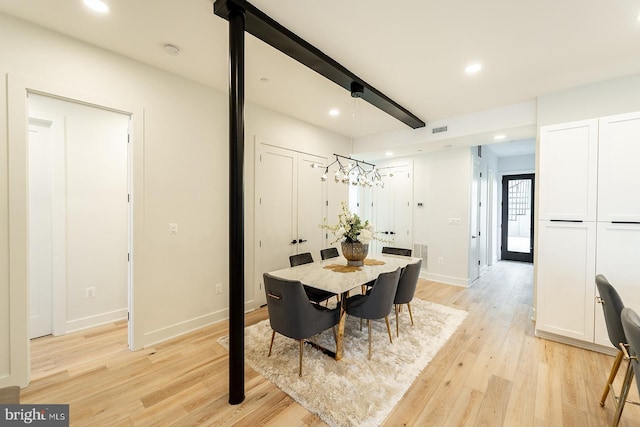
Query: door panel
x=618, y=173
x=312, y=207
x=517, y=217
x=40, y=229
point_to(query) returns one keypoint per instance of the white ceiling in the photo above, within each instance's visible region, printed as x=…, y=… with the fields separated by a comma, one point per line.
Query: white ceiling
x=414, y=51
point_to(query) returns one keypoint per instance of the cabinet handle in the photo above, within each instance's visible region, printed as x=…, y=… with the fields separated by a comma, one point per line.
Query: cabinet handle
x=566, y=220
x=301, y=240
x=625, y=222
x=294, y=241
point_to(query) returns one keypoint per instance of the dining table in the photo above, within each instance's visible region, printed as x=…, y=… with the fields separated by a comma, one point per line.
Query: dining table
x=335, y=276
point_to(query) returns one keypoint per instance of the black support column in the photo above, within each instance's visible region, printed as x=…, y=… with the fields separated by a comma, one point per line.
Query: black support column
x=236, y=204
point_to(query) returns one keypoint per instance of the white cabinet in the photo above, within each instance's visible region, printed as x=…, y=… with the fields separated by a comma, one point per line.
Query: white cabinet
x=566, y=271
x=568, y=171
x=589, y=223
x=618, y=171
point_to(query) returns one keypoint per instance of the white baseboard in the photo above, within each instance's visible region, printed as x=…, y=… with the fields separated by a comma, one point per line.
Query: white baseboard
x=577, y=343
x=93, y=321
x=181, y=328
x=444, y=279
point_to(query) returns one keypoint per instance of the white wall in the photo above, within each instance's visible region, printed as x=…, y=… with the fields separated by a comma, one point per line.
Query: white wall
x=442, y=184
x=180, y=175
x=585, y=102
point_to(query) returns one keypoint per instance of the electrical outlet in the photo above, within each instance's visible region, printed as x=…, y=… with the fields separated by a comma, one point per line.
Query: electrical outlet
x=218, y=288
x=173, y=228
x=90, y=292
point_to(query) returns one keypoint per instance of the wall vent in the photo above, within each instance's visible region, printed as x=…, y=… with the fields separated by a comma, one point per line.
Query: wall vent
x=438, y=130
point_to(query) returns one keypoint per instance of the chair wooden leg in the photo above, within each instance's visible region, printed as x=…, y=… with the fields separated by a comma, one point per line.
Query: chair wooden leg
x=410, y=313
x=397, y=322
x=300, y=364
x=386, y=319
x=612, y=376
x=369, y=328
x=624, y=392
x=273, y=334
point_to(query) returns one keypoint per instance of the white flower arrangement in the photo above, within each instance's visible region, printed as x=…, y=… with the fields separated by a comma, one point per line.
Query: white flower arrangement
x=351, y=228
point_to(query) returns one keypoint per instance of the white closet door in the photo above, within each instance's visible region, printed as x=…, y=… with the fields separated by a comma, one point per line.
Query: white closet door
x=566, y=286
x=618, y=258
x=568, y=171
x=618, y=171
x=290, y=206
x=312, y=207
x=276, y=211
x=392, y=215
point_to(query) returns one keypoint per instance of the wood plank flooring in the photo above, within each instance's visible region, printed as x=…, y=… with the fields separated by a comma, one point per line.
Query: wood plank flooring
x=492, y=372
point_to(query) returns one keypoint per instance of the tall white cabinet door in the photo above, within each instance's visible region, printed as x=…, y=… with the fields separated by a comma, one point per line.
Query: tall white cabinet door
x=618, y=171
x=568, y=171
x=565, y=291
x=618, y=258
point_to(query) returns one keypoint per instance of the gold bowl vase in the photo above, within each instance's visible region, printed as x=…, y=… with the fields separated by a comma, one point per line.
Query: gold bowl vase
x=355, y=252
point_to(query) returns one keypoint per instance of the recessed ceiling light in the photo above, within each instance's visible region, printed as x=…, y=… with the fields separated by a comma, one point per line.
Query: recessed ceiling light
x=334, y=112
x=97, y=6
x=499, y=137
x=388, y=153
x=448, y=147
x=473, y=68
x=171, y=49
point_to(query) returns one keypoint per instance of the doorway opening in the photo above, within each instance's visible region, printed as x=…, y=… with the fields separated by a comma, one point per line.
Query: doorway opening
x=79, y=182
x=517, y=217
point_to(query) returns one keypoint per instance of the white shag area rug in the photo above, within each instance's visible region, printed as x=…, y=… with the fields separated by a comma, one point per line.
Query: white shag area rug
x=354, y=391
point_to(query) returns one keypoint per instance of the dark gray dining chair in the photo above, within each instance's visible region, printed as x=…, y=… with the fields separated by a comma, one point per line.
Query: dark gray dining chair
x=612, y=306
x=406, y=290
x=315, y=295
x=396, y=251
x=631, y=326
x=377, y=303
x=329, y=253
x=293, y=315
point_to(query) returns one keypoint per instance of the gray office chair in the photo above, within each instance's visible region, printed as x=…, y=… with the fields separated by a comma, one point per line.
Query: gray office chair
x=396, y=251
x=406, y=290
x=315, y=295
x=612, y=306
x=329, y=253
x=631, y=326
x=293, y=315
x=377, y=303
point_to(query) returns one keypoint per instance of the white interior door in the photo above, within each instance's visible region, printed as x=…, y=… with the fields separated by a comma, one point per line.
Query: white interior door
x=312, y=206
x=40, y=228
x=474, y=223
x=391, y=213
x=290, y=206
x=276, y=206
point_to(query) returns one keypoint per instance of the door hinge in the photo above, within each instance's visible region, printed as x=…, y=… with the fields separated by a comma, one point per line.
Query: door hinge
x=326, y=203
x=128, y=316
x=478, y=262
x=260, y=243
x=128, y=198
x=128, y=257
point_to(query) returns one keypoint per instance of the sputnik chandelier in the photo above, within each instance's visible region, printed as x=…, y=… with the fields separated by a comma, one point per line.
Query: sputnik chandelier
x=356, y=172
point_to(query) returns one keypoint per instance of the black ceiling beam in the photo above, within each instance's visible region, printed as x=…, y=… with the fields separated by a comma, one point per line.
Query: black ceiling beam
x=271, y=32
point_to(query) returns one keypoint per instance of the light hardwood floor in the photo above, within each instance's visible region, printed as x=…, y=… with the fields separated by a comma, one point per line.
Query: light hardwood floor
x=492, y=372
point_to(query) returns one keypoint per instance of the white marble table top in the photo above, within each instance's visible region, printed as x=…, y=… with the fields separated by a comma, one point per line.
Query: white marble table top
x=315, y=275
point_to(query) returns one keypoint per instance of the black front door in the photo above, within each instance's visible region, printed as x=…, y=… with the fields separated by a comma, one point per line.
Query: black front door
x=517, y=217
